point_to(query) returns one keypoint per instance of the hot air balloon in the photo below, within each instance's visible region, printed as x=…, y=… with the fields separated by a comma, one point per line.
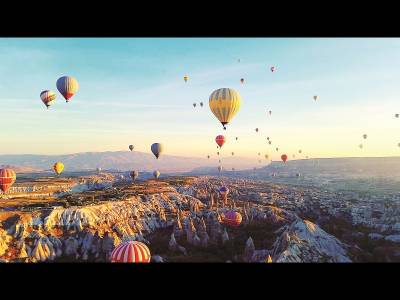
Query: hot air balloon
x=270, y=112
x=256, y=129
x=219, y=168
x=134, y=175
x=361, y=146
x=277, y=149
x=267, y=138
x=223, y=190
x=284, y=157
x=157, y=149
x=131, y=252
x=186, y=78
x=67, y=86
x=208, y=156
x=237, y=138
x=156, y=174
x=131, y=147
x=7, y=179
x=364, y=136
x=396, y=115
x=194, y=104
x=242, y=80
x=270, y=142
x=300, y=151
x=217, y=153
x=224, y=104
x=232, y=218
x=266, y=156
x=220, y=140
x=58, y=167
x=201, y=104
x=48, y=97
x=315, y=98
x=259, y=153
x=233, y=153
x=272, y=69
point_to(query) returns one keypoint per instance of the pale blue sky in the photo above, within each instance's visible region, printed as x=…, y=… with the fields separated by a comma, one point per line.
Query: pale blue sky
x=132, y=91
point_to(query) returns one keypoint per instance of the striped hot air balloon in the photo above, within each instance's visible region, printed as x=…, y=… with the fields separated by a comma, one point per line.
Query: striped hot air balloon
x=224, y=104
x=232, y=218
x=48, y=97
x=131, y=252
x=220, y=140
x=58, y=167
x=7, y=179
x=67, y=86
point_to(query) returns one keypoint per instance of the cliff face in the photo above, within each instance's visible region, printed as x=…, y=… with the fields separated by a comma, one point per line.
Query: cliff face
x=171, y=220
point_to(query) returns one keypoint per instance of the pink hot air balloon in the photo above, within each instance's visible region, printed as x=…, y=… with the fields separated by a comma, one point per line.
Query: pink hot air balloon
x=232, y=218
x=131, y=252
x=273, y=69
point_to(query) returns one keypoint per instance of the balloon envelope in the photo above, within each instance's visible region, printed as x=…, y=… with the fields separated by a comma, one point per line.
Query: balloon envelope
x=157, y=149
x=7, y=179
x=58, y=167
x=284, y=157
x=156, y=174
x=48, y=97
x=131, y=147
x=220, y=140
x=224, y=104
x=134, y=175
x=232, y=218
x=131, y=252
x=67, y=86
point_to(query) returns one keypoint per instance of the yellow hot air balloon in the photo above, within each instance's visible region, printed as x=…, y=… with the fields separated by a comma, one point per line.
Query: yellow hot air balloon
x=186, y=78
x=58, y=167
x=224, y=104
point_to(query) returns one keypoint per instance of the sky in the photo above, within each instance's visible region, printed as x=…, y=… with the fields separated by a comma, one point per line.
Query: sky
x=132, y=92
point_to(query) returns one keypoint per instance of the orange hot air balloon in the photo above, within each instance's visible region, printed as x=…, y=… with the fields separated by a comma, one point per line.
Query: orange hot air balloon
x=7, y=179
x=232, y=218
x=220, y=140
x=284, y=157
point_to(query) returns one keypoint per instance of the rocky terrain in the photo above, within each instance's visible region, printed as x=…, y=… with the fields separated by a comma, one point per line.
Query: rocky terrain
x=179, y=218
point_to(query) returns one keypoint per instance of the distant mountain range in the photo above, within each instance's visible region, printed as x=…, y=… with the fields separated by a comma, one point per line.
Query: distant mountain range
x=126, y=161
x=119, y=160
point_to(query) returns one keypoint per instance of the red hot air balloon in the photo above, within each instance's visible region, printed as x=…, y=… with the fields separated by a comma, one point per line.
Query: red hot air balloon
x=232, y=218
x=220, y=140
x=7, y=179
x=284, y=157
x=131, y=252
